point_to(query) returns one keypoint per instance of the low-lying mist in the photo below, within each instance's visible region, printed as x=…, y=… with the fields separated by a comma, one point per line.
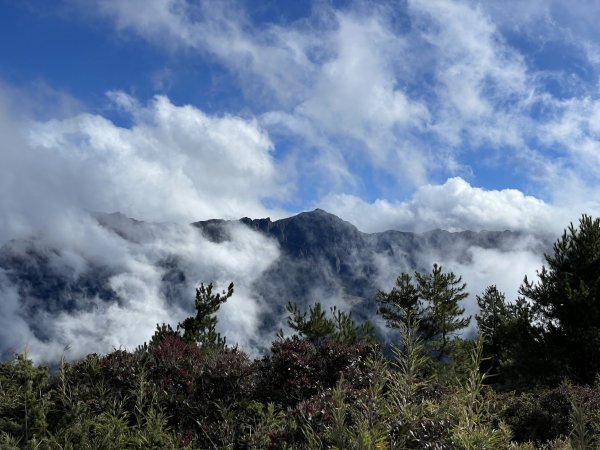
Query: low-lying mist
x=111, y=279
x=110, y=288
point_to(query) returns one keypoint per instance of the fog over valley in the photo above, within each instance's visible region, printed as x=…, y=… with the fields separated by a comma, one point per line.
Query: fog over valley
x=113, y=279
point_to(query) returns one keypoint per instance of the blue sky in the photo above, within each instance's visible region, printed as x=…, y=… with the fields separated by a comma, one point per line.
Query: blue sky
x=408, y=114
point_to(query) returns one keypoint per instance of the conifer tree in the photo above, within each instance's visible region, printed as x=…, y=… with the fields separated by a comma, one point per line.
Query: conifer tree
x=402, y=305
x=565, y=301
x=493, y=320
x=442, y=293
x=432, y=300
x=492, y=311
x=201, y=328
x=313, y=325
x=316, y=326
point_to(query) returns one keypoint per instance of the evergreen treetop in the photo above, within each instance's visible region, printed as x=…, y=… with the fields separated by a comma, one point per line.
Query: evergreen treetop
x=316, y=326
x=565, y=300
x=433, y=300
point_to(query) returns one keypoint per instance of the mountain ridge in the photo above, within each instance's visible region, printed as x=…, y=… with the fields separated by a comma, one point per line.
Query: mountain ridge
x=320, y=258
x=320, y=249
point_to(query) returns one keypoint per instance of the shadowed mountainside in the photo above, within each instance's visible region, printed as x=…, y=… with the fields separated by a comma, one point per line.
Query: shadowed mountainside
x=325, y=257
x=322, y=258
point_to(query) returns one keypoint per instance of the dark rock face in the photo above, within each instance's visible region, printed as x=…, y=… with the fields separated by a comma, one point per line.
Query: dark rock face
x=38, y=277
x=318, y=249
x=326, y=256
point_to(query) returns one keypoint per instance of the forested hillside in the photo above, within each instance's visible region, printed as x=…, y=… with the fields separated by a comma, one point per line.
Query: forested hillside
x=528, y=380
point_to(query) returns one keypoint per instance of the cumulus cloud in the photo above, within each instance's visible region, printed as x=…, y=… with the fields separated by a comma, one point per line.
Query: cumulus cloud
x=406, y=92
x=454, y=206
x=173, y=164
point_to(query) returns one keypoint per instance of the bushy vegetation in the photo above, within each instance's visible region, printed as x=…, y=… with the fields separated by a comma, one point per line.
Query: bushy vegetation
x=529, y=380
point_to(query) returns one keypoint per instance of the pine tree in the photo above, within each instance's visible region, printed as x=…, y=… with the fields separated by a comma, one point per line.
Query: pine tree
x=442, y=293
x=317, y=327
x=314, y=325
x=493, y=321
x=201, y=328
x=565, y=301
x=432, y=300
x=493, y=312
x=402, y=305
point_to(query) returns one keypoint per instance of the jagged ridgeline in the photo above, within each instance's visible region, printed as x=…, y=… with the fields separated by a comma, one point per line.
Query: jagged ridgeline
x=321, y=258
x=326, y=257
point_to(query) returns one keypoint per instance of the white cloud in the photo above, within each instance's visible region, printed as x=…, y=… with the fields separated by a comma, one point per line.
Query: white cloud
x=332, y=82
x=135, y=270
x=14, y=329
x=576, y=132
x=454, y=206
x=358, y=91
x=547, y=21
x=173, y=163
x=505, y=269
x=482, y=87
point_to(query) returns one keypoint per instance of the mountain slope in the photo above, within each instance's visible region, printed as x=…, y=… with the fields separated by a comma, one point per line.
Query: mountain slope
x=324, y=257
x=144, y=268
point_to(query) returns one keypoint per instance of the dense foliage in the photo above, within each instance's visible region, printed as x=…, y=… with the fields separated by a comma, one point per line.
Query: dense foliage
x=528, y=381
x=566, y=301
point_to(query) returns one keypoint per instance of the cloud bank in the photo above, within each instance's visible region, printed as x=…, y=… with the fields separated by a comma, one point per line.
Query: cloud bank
x=151, y=281
x=382, y=114
x=453, y=206
x=172, y=165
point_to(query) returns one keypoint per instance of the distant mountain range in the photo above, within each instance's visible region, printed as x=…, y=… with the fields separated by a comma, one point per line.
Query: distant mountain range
x=327, y=256
x=321, y=258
